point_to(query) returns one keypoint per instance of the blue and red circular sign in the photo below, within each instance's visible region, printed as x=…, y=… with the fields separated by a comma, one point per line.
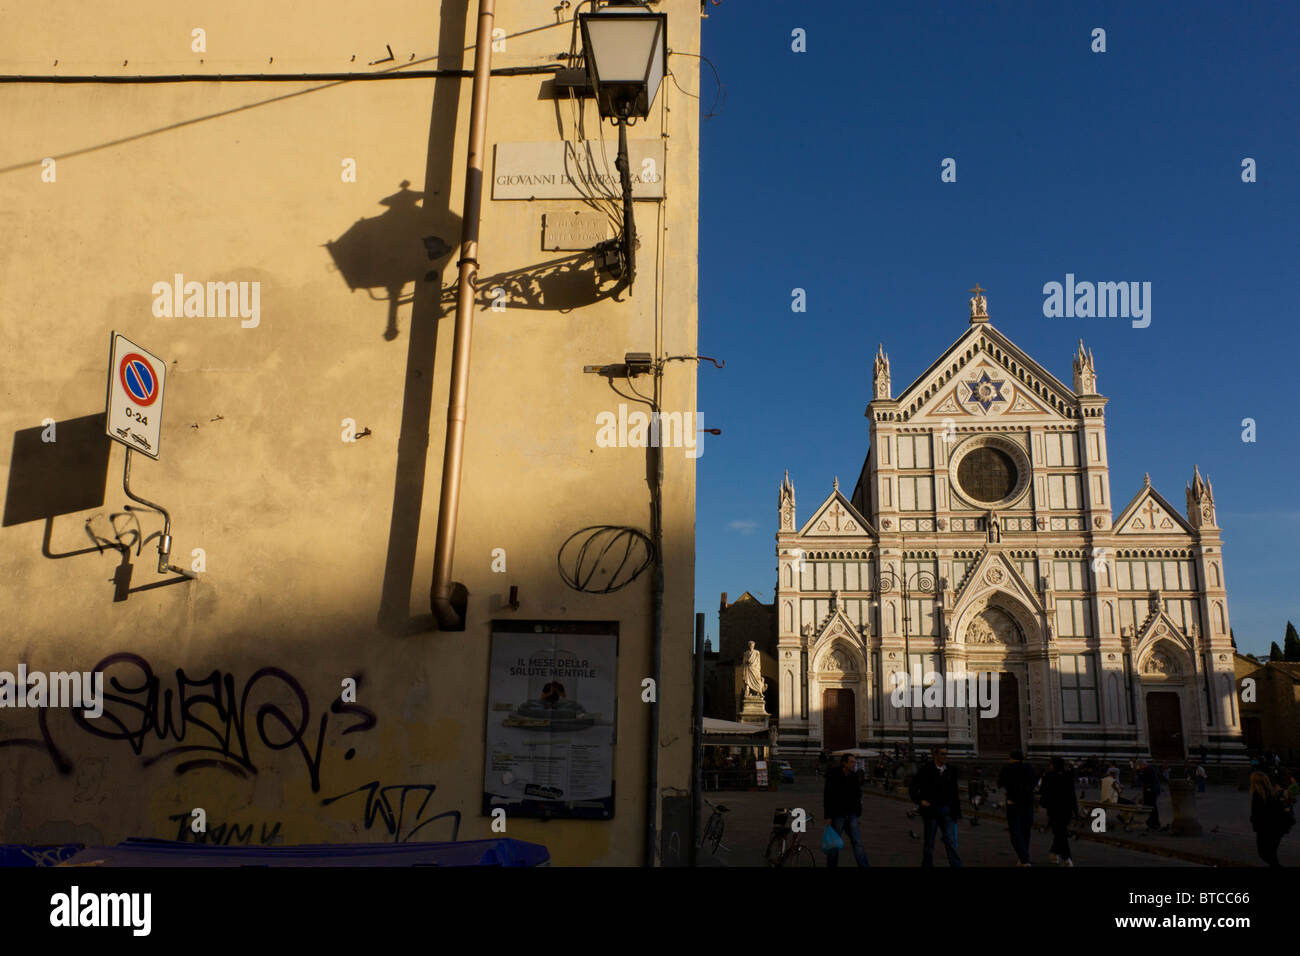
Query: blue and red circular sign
x=138, y=378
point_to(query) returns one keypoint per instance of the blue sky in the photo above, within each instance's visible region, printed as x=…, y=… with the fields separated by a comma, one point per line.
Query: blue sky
x=822, y=171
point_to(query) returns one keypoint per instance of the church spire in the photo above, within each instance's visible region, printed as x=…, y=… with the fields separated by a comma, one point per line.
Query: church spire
x=880, y=379
x=1200, y=501
x=1085, y=372
x=785, y=503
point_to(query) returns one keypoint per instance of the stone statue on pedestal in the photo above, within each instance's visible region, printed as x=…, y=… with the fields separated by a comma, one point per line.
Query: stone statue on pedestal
x=753, y=707
x=753, y=661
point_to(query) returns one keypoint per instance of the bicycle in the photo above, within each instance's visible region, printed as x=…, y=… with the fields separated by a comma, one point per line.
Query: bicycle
x=713, y=828
x=786, y=846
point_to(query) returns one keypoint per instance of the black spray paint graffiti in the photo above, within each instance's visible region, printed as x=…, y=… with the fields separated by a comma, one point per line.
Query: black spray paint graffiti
x=379, y=805
x=222, y=834
x=208, y=719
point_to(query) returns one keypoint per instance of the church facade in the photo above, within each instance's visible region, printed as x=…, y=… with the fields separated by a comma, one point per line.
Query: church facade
x=981, y=540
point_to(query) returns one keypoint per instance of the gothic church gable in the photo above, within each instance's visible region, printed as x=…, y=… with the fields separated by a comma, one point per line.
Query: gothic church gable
x=984, y=376
x=1149, y=513
x=836, y=629
x=837, y=518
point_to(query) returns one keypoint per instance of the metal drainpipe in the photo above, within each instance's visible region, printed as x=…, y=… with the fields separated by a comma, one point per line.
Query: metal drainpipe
x=657, y=631
x=453, y=453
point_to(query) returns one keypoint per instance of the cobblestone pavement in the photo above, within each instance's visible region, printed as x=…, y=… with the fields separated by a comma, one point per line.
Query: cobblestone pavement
x=892, y=839
x=1224, y=813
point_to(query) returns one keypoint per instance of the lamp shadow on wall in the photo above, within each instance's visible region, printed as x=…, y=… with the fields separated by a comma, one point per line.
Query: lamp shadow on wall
x=384, y=254
x=557, y=285
x=388, y=252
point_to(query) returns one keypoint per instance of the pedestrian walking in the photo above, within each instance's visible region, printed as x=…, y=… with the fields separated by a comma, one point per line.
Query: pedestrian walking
x=842, y=803
x=935, y=791
x=1017, y=778
x=1149, y=778
x=1270, y=818
x=1061, y=803
x=1201, y=777
x=977, y=791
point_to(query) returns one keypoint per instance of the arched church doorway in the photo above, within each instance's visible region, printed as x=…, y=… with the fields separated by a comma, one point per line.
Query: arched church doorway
x=1001, y=734
x=839, y=729
x=1165, y=725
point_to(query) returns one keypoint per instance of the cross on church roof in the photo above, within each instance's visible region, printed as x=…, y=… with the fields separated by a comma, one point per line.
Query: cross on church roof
x=979, y=307
x=1151, y=512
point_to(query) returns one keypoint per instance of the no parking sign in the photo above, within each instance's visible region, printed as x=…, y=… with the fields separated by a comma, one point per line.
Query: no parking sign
x=135, y=388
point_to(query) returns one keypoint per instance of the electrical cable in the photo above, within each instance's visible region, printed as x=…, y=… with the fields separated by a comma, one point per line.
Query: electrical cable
x=618, y=534
x=719, y=91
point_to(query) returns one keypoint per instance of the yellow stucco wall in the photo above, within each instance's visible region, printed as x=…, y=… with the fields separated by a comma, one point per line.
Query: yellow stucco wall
x=318, y=552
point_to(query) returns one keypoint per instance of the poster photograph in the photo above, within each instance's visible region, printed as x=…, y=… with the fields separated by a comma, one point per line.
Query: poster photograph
x=550, y=721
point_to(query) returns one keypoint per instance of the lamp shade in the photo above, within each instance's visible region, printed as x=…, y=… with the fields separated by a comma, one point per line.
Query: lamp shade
x=626, y=57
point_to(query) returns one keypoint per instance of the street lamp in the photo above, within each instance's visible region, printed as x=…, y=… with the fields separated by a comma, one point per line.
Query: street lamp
x=922, y=581
x=624, y=45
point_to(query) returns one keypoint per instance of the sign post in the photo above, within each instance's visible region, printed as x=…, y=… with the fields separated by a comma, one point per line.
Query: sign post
x=135, y=393
x=134, y=418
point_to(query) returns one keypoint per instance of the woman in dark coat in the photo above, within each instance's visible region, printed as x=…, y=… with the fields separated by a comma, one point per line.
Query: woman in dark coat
x=1061, y=803
x=1268, y=816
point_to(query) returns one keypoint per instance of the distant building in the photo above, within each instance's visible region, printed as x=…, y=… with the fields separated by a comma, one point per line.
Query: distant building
x=744, y=620
x=1271, y=721
x=985, y=498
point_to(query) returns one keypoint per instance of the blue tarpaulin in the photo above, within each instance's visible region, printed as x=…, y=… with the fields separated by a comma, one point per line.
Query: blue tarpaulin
x=37, y=855
x=501, y=852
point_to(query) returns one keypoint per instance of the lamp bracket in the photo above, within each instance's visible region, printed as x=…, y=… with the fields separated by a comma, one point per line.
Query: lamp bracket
x=573, y=81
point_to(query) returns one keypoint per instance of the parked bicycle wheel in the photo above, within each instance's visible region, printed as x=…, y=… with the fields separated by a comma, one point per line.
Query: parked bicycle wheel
x=802, y=856
x=710, y=825
x=716, y=835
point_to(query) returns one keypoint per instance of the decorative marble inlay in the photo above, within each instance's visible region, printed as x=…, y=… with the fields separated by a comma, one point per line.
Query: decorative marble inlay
x=985, y=391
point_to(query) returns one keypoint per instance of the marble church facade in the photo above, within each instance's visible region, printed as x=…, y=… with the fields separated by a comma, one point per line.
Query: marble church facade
x=981, y=537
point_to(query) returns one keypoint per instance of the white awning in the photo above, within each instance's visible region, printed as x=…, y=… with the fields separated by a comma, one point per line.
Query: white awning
x=714, y=726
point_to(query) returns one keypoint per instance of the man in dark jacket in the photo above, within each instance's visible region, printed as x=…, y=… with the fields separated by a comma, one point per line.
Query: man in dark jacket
x=1061, y=803
x=934, y=788
x=843, y=806
x=1018, y=779
x=1149, y=777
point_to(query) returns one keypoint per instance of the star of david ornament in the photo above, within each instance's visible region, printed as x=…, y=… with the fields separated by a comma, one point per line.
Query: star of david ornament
x=984, y=391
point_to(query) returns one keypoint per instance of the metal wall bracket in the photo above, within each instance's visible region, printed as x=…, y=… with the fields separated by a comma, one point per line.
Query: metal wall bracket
x=164, y=542
x=575, y=81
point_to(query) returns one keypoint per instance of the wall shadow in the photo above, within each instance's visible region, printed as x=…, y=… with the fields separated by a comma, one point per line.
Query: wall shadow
x=64, y=476
x=558, y=285
x=390, y=251
x=436, y=219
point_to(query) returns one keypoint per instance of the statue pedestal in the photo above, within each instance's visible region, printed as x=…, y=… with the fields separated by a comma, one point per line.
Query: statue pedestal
x=753, y=710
